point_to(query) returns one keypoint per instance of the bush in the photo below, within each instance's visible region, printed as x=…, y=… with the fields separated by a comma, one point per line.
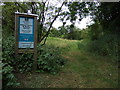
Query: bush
x=97, y=47
x=8, y=50
x=75, y=35
x=107, y=45
x=22, y=63
x=8, y=77
x=49, y=59
x=81, y=46
x=8, y=63
x=25, y=62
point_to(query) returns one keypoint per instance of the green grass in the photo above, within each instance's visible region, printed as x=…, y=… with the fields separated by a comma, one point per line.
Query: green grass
x=83, y=70
x=95, y=72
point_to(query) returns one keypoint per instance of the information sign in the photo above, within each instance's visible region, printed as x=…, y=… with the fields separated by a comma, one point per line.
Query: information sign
x=26, y=32
x=26, y=35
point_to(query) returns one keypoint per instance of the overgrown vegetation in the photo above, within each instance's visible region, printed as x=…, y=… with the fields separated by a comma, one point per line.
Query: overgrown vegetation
x=100, y=39
x=49, y=60
x=107, y=46
x=82, y=70
x=8, y=62
x=67, y=32
x=9, y=79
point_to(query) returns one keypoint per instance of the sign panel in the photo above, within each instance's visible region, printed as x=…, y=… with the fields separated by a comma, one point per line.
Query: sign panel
x=26, y=32
x=26, y=35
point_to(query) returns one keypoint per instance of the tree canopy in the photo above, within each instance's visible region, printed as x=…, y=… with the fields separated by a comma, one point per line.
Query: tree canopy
x=105, y=14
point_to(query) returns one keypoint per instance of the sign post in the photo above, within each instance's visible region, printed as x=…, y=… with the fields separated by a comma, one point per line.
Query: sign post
x=26, y=34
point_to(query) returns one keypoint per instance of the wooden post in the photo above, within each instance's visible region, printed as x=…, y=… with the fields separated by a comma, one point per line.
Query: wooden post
x=35, y=44
x=16, y=36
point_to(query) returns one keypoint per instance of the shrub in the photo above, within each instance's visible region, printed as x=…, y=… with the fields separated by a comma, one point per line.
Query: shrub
x=107, y=45
x=22, y=63
x=8, y=77
x=97, y=47
x=25, y=62
x=8, y=50
x=50, y=60
x=8, y=61
x=81, y=46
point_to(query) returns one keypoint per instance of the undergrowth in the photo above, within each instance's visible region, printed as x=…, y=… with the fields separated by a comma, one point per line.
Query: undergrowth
x=49, y=60
x=106, y=46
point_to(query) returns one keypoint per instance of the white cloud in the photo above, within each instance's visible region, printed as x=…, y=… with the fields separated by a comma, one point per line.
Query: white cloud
x=84, y=22
x=57, y=23
x=80, y=24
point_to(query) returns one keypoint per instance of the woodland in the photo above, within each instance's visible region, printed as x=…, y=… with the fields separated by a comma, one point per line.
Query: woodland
x=87, y=58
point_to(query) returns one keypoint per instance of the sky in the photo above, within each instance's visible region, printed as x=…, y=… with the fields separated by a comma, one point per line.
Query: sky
x=80, y=24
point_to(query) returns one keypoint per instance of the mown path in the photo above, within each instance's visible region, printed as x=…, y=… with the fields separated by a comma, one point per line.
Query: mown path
x=81, y=71
x=67, y=78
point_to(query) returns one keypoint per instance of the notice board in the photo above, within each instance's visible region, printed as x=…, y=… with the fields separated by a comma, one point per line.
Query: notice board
x=26, y=35
x=25, y=32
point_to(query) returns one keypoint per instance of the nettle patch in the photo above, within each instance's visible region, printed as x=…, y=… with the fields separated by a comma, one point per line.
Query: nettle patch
x=49, y=60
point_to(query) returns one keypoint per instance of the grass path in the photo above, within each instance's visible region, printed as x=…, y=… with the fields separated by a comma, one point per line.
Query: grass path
x=82, y=70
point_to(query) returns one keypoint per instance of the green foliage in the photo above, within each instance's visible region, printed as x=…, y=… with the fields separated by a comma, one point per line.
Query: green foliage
x=108, y=15
x=95, y=31
x=97, y=47
x=54, y=33
x=50, y=59
x=81, y=46
x=63, y=31
x=107, y=45
x=8, y=50
x=75, y=35
x=8, y=17
x=8, y=77
x=67, y=32
x=9, y=62
x=79, y=10
x=23, y=61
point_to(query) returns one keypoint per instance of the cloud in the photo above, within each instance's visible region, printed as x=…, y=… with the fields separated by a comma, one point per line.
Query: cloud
x=80, y=24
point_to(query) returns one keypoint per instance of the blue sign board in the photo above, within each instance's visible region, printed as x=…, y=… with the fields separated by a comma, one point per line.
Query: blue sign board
x=26, y=32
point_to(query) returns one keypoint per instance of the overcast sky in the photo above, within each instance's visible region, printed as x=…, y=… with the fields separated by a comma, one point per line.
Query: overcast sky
x=80, y=24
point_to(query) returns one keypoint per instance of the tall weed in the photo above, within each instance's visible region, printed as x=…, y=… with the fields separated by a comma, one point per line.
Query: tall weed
x=49, y=60
x=107, y=45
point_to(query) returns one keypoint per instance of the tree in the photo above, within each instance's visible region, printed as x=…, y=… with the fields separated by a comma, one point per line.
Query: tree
x=8, y=10
x=47, y=14
x=54, y=33
x=74, y=33
x=96, y=31
x=63, y=31
x=108, y=14
x=78, y=11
